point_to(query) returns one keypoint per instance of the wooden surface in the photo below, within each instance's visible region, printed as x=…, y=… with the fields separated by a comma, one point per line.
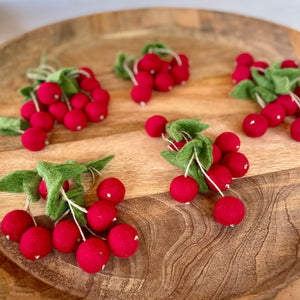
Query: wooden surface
x=183, y=253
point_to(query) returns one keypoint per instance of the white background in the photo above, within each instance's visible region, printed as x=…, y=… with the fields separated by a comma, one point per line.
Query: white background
x=19, y=16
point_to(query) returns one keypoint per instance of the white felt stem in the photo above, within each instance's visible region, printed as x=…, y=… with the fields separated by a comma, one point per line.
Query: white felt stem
x=187, y=134
x=76, y=72
x=260, y=101
x=28, y=210
x=130, y=73
x=47, y=67
x=35, y=76
x=169, y=141
x=61, y=217
x=260, y=69
x=295, y=98
x=66, y=100
x=168, y=51
x=294, y=81
x=189, y=164
x=65, y=197
x=94, y=234
x=135, y=66
x=35, y=101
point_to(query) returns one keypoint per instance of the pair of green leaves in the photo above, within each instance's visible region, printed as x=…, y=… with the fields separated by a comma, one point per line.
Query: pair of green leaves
x=13, y=126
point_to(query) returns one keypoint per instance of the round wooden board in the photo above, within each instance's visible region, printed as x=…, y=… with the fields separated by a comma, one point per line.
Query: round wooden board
x=183, y=252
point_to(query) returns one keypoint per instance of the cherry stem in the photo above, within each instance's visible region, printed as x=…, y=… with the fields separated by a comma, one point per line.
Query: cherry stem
x=35, y=101
x=294, y=81
x=260, y=101
x=93, y=233
x=87, y=94
x=130, y=73
x=135, y=66
x=76, y=72
x=92, y=171
x=169, y=141
x=189, y=164
x=295, y=98
x=187, y=134
x=260, y=69
x=167, y=51
x=204, y=173
x=65, y=197
x=17, y=130
x=28, y=210
x=61, y=217
x=66, y=100
x=47, y=67
x=35, y=76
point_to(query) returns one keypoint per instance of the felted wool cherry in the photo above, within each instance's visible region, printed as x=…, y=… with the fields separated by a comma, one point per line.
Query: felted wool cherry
x=43, y=120
x=237, y=163
x=43, y=188
x=229, y=211
x=15, y=223
x=274, y=114
x=244, y=59
x=141, y=94
x=36, y=243
x=156, y=125
x=34, y=139
x=288, y=64
x=295, y=130
x=49, y=92
x=184, y=61
x=101, y=215
x=58, y=111
x=297, y=91
x=82, y=76
x=75, y=120
x=79, y=101
x=66, y=236
x=220, y=175
x=89, y=84
x=27, y=110
x=164, y=82
x=150, y=62
x=181, y=74
x=216, y=153
x=240, y=73
x=111, y=189
x=144, y=79
x=96, y=111
x=255, y=125
x=178, y=145
x=184, y=189
x=165, y=66
x=123, y=240
x=289, y=105
x=92, y=255
x=100, y=95
x=228, y=142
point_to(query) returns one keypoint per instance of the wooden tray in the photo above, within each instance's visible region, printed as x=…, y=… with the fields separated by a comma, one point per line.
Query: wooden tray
x=183, y=253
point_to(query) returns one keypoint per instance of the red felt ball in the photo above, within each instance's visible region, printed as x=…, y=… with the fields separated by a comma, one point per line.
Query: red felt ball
x=141, y=94
x=82, y=76
x=89, y=84
x=255, y=125
x=295, y=130
x=165, y=66
x=100, y=95
x=179, y=145
x=260, y=65
x=244, y=59
x=101, y=215
x=184, y=61
x=28, y=109
x=96, y=111
x=111, y=189
x=229, y=211
x=123, y=240
x=287, y=102
x=79, y=101
x=220, y=175
x=228, y=142
x=36, y=243
x=92, y=255
x=156, y=125
x=240, y=73
x=216, y=153
x=184, y=189
x=43, y=120
x=66, y=236
x=181, y=74
x=274, y=114
x=150, y=62
x=237, y=163
x=43, y=188
x=58, y=111
x=34, y=139
x=49, y=92
x=297, y=91
x=288, y=64
x=164, y=82
x=144, y=79
x=15, y=223
x=75, y=120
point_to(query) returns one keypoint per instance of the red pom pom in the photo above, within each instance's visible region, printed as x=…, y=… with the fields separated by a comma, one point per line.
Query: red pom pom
x=295, y=130
x=89, y=84
x=244, y=59
x=49, y=92
x=181, y=74
x=75, y=120
x=144, y=79
x=42, y=120
x=79, y=101
x=101, y=95
x=237, y=163
x=289, y=105
x=151, y=62
x=28, y=109
x=123, y=240
x=228, y=142
x=165, y=66
x=179, y=145
x=34, y=139
x=36, y=243
x=274, y=114
x=111, y=189
x=184, y=61
x=15, y=223
x=82, y=76
x=221, y=176
x=229, y=211
x=43, y=188
x=58, y=111
x=66, y=236
x=288, y=64
x=92, y=255
x=163, y=82
x=96, y=111
x=184, y=189
x=101, y=215
x=240, y=73
x=156, y=125
x=255, y=125
x=141, y=94
x=216, y=153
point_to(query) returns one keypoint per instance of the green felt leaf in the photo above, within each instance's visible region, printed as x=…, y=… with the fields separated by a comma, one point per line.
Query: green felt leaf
x=31, y=188
x=118, y=66
x=147, y=47
x=77, y=196
x=242, y=89
x=262, y=80
x=186, y=152
x=282, y=84
x=60, y=208
x=265, y=94
x=99, y=164
x=13, y=126
x=205, y=152
x=25, y=91
x=13, y=182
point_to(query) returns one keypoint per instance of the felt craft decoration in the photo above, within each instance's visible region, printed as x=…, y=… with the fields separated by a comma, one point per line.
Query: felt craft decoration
x=156, y=125
x=228, y=142
x=101, y=95
x=75, y=120
x=286, y=101
x=237, y=163
x=49, y=93
x=58, y=111
x=221, y=177
x=274, y=114
x=27, y=110
x=164, y=82
x=244, y=59
x=184, y=189
x=255, y=125
x=79, y=101
x=43, y=188
x=217, y=154
x=43, y=120
x=96, y=111
x=295, y=130
x=34, y=139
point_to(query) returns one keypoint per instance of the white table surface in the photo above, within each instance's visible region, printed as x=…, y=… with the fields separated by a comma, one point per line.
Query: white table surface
x=19, y=16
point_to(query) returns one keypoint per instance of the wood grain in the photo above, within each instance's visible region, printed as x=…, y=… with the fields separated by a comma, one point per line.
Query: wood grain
x=183, y=254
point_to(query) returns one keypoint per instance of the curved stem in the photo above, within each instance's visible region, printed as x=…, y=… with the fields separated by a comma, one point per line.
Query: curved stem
x=189, y=164
x=295, y=98
x=187, y=134
x=130, y=73
x=168, y=51
x=76, y=72
x=294, y=81
x=135, y=66
x=71, y=203
x=28, y=210
x=260, y=69
x=93, y=233
x=98, y=172
x=260, y=101
x=169, y=141
x=36, y=76
x=35, y=101
x=47, y=67
x=61, y=217
x=66, y=100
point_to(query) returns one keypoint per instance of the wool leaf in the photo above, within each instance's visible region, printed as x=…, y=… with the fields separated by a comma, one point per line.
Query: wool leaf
x=282, y=84
x=26, y=90
x=99, y=164
x=31, y=187
x=242, y=89
x=187, y=150
x=60, y=208
x=265, y=94
x=13, y=126
x=205, y=152
x=119, y=65
x=77, y=196
x=147, y=48
x=262, y=80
